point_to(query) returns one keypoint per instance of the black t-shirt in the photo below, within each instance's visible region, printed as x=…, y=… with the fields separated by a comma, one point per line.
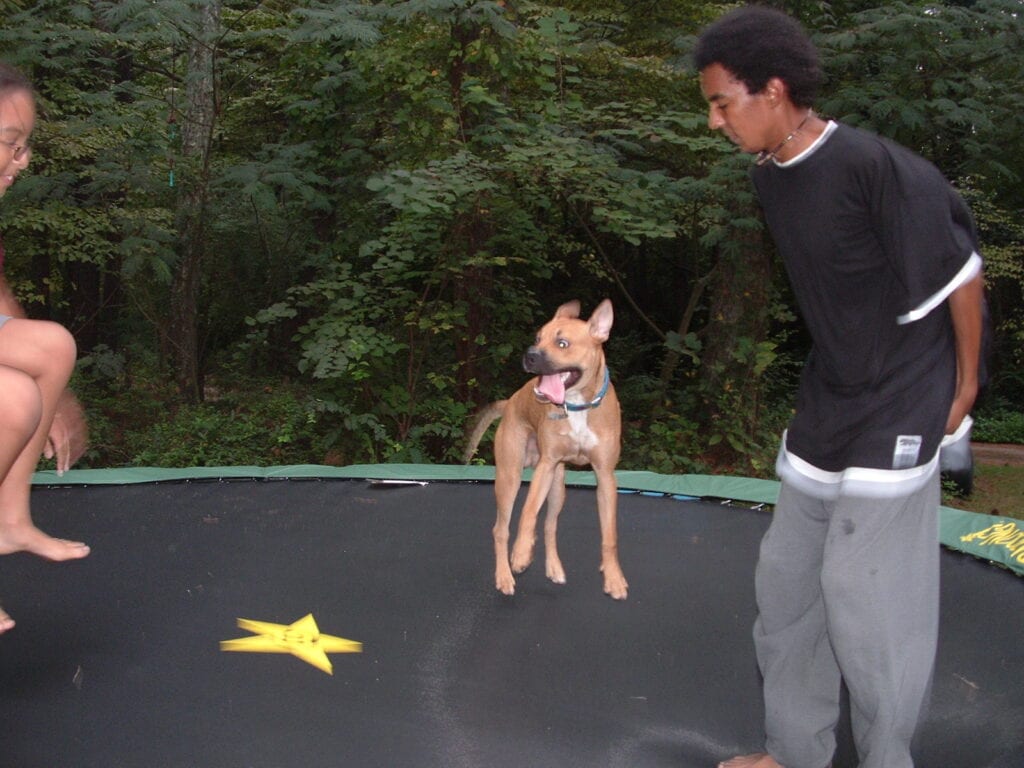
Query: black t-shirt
x=873, y=238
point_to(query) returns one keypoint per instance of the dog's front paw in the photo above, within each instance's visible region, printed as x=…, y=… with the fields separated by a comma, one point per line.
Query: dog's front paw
x=554, y=570
x=522, y=556
x=505, y=583
x=617, y=591
x=615, y=585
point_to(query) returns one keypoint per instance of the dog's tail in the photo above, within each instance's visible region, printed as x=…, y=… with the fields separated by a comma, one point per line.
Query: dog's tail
x=481, y=422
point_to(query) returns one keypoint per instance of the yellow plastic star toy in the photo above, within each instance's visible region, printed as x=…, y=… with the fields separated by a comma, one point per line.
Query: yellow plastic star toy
x=301, y=639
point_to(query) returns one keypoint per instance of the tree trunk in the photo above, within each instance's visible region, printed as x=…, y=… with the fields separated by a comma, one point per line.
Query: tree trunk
x=196, y=137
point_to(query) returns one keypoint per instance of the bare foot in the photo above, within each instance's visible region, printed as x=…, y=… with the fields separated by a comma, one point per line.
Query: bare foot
x=30, y=539
x=6, y=622
x=759, y=760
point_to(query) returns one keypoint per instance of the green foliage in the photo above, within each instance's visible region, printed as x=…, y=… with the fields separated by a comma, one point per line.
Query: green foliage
x=937, y=78
x=999, y=425
x=675, y=442
x=670, y=446
x=1001, y=233
x=479, y=185
x=398, y=193
x=207, y=435
x=137, y=419
x=950, y=491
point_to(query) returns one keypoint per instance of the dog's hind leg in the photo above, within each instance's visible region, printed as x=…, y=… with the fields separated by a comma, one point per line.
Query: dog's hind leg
x=556, y=500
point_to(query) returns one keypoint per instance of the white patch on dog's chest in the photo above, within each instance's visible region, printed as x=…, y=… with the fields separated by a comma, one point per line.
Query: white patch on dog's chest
x=580, y=431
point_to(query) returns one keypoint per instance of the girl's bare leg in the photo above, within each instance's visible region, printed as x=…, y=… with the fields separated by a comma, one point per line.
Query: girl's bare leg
x=36, y=360
x=759, y=760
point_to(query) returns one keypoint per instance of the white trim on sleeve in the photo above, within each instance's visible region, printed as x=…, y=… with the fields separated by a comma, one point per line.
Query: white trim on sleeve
x=967, y=273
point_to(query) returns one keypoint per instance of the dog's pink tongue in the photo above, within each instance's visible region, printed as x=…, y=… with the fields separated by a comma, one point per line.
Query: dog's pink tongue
x=552, y=388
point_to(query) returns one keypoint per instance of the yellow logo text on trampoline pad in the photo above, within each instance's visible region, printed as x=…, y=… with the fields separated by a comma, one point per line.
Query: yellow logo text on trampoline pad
x=1007, y=535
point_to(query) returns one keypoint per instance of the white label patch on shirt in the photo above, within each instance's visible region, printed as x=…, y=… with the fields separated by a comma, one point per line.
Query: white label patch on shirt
x=908, y=450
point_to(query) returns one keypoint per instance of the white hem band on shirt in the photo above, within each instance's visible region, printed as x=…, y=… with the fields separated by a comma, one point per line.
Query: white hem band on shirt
x=863, y=482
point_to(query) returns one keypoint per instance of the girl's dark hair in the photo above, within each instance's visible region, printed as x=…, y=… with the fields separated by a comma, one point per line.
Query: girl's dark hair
x=755, y=44
x=12, y=79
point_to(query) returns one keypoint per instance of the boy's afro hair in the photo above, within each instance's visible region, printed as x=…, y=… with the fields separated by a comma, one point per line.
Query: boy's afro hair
x=755, y=44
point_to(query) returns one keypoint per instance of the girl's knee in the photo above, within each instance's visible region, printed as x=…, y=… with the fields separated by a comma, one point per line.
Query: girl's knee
x=42, y=348
x=21, y=405
x=61, y=344
x=57, y=349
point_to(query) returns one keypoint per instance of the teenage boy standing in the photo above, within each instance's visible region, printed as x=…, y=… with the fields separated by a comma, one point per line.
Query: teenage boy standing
x=882, y=257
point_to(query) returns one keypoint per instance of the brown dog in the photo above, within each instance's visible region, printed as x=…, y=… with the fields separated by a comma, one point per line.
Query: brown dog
x=570, y=413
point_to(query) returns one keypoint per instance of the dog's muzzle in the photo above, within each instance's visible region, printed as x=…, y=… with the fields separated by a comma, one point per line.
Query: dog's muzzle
x=552, y=382
x=535, y=361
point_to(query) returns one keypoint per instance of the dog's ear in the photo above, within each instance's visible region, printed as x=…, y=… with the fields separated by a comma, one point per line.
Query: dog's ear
x=570, y=310
x=601, y=321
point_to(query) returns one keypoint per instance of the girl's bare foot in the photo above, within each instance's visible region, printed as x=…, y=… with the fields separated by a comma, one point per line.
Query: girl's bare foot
x=30, y=539
x=6, y=622
x=760, y=760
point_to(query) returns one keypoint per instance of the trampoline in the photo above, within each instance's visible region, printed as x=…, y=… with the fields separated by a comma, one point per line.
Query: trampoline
x=116, y=661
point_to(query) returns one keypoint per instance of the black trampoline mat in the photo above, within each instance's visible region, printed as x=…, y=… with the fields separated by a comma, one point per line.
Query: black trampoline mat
x=116, y=661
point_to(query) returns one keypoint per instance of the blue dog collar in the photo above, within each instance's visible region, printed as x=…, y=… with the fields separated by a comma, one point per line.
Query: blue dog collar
x=597, y=400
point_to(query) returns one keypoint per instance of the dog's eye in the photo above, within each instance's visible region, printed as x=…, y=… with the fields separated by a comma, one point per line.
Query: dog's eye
x=563, y=343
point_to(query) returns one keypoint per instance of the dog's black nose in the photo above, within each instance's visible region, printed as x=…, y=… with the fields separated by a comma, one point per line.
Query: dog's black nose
x=531, y=359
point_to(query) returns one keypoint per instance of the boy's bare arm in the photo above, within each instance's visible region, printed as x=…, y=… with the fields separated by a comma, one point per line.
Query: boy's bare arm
x=965, y=308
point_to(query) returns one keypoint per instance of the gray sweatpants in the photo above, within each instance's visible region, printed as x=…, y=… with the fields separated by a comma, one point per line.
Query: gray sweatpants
x=847, y=590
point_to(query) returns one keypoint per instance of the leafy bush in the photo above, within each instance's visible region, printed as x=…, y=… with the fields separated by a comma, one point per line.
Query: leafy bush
x=271, y=428
x=139, y=420
x=1000, y=425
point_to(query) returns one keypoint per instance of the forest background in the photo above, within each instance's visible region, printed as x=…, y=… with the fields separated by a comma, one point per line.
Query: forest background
x=324, y=232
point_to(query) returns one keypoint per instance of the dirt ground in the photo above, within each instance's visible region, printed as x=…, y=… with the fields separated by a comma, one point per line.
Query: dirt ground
x=998, y=454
